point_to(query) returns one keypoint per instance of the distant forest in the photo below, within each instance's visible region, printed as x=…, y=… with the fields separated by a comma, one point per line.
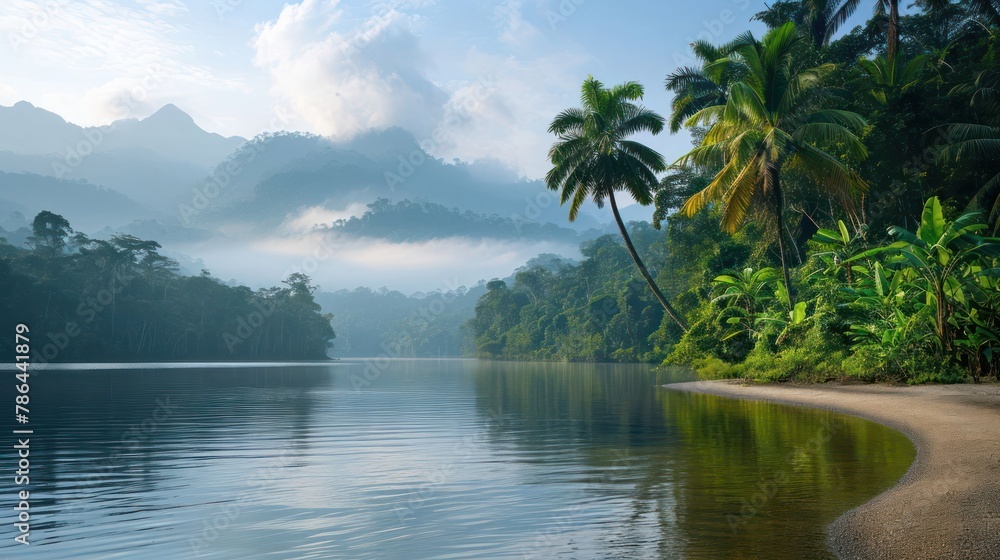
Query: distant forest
x=372, y=323
x=92, y=300
x=596, y=310
x=416, y=221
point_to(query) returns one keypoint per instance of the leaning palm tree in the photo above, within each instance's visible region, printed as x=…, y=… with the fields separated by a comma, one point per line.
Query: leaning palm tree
x=770, y=124
x=593, y=158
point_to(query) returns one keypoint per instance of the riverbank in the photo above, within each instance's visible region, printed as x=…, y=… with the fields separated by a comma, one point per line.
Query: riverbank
x=948, y=503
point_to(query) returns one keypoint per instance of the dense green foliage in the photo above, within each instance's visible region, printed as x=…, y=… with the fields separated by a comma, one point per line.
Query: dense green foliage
x=597, y=310
x=120, y=300
x=862, y=167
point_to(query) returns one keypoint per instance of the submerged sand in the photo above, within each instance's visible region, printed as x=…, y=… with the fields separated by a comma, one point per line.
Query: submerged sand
x=948, y=503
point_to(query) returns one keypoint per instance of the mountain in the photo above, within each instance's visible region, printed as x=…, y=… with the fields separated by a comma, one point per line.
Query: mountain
x=153, y=160
x=276, y=176
x=26, y=129
x=137, y=173
x=171, y=134
x=87, y=207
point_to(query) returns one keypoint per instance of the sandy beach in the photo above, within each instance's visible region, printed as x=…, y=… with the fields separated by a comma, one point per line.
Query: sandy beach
x=948, y=503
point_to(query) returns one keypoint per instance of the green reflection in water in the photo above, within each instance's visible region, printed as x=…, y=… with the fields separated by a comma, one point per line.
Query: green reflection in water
x=702, y=476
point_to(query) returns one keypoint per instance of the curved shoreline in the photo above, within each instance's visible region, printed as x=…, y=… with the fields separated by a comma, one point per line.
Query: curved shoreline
x=947, y=505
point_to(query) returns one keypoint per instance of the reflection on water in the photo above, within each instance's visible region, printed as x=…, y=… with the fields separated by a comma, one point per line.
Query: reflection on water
x=432, y=459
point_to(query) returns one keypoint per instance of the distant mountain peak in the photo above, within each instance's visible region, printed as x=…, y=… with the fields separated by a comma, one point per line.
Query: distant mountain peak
x=27, y=110
x=171, y=113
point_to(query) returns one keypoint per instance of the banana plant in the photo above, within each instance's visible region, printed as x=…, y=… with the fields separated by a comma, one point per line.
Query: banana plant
x=836, y=248
x=743, y=296
x=942, y=262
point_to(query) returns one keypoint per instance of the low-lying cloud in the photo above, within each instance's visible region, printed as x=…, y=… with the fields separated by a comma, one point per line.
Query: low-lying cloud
x=341, y=262
x=345, y=82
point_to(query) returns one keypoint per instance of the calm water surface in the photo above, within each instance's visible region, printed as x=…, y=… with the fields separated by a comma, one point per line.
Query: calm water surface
x=448, y=459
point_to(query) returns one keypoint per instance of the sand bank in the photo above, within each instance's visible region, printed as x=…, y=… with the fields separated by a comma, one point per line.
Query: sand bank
x=948, y=503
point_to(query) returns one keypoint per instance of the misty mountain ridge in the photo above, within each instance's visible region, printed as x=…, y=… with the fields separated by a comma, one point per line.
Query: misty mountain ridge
x=407, y=221
x=169, y=132
x=277, y=175
x=149, y=160
x=273, y=188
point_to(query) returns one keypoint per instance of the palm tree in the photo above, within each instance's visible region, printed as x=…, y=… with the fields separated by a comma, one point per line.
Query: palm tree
x=979, y=141
x=881, y=7
x=593, y=158
x=892, y=76
x=695, y=88
x=822, y=21
x=770, y=123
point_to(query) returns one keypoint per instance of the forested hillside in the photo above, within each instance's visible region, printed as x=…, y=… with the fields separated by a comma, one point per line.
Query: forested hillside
x=417, y=221
x=835, y=217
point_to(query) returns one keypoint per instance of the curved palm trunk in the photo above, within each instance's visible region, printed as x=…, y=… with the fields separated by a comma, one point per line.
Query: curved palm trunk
x=893, y=31
x=779, y=206
x=642, y=267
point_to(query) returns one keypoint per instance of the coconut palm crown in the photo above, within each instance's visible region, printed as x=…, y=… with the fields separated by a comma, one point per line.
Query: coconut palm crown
x=593, y=158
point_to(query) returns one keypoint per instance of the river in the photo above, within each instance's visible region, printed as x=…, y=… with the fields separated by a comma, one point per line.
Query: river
x=420, y=459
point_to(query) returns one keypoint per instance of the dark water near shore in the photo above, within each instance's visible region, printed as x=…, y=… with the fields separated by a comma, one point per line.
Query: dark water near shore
x=429, y=459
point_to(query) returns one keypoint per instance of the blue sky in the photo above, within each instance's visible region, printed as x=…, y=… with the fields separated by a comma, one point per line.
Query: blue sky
x=473, y=79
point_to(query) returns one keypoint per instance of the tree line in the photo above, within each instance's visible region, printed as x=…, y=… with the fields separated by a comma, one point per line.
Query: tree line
x=119, y=299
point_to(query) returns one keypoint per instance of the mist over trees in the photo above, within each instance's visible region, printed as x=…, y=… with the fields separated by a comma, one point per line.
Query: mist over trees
x=94, y=300
x=417, y=221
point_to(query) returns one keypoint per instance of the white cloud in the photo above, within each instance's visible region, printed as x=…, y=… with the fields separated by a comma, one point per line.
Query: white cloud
x=342, y=82
x=510, y=124
x=336, y=263
x=307, y=218
x=165, y=7
x=514, y=29
x=94, y=61
x=343, y=75
x=8, y=95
